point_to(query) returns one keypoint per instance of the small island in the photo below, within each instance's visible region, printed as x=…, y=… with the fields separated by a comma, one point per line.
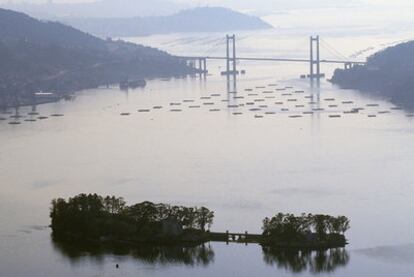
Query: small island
x=100, y=219
x=108, y=220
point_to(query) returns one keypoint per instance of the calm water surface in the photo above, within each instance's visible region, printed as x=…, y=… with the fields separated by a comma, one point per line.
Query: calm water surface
x=243, y=167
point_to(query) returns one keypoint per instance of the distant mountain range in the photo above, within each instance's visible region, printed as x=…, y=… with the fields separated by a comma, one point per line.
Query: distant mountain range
x=40, y=55
x=194, y=20
x=388, y=73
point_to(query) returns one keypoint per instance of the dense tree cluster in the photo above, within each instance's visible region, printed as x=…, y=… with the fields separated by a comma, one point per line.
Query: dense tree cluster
x=289, y=227
x=94, y=216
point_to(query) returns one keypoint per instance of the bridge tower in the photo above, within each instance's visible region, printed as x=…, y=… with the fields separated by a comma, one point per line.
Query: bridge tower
x=315, y=61
x=231, y=55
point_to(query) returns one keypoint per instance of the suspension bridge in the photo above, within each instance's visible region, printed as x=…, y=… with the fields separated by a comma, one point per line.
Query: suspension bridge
x=199, y=63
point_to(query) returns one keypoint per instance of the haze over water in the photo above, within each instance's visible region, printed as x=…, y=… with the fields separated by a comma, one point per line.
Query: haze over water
x=244, y=168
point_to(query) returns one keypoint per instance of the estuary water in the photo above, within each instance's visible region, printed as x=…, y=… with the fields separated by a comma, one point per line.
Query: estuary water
x=268, y=142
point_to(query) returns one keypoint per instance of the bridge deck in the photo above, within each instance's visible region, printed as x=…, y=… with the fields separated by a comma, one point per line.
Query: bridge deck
x=270, y=59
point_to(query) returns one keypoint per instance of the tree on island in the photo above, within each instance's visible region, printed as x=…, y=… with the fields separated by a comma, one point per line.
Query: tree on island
x=307, y=227
x=90, y=216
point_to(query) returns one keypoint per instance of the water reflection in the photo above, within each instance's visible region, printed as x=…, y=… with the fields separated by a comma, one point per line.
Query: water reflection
x=189, y=255
x=313, y=261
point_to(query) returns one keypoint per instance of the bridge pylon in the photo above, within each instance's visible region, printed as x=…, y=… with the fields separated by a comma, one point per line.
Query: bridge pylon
x=231, y=60
x=315, y=60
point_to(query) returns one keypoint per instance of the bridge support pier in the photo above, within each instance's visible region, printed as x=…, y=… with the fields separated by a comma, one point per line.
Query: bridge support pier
x=231, y=61
x=315, y=61
x=348, y=66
